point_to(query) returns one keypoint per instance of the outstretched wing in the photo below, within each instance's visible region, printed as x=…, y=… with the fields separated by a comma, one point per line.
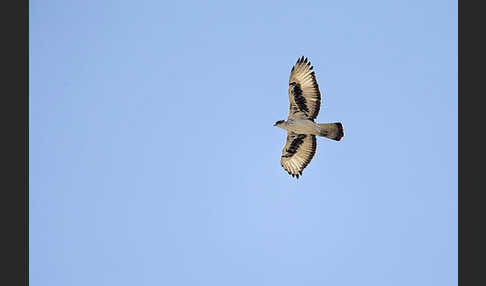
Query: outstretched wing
x=304, y=94
x=298, y=152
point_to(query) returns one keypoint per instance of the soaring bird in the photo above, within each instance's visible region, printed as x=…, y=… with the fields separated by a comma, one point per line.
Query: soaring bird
x=305, y=102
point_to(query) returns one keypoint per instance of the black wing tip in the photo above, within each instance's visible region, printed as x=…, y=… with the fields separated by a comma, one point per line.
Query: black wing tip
x=299, y=174
x=303, y=61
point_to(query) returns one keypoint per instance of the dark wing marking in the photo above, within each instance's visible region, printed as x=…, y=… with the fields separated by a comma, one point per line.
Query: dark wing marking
x=304, y=94
x=298, y=152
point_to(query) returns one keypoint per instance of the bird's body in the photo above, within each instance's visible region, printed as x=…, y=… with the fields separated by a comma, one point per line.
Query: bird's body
x=305, y=101
x=300, y=126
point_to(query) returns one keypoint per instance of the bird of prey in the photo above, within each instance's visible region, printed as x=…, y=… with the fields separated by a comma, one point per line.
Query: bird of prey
x=305, y=102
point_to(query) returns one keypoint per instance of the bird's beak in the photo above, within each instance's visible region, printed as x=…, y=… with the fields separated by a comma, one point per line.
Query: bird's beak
x=274, y=124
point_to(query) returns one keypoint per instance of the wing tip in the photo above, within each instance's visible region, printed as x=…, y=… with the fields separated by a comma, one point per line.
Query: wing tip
x=303, y=63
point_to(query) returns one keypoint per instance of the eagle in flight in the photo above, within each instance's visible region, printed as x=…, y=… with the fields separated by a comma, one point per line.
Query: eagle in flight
x=305, y=102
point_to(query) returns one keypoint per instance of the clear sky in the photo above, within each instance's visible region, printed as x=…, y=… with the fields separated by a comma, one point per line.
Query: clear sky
x=153, y=159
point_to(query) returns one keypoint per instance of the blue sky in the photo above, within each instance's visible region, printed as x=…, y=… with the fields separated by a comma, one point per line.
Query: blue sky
x=153, y=159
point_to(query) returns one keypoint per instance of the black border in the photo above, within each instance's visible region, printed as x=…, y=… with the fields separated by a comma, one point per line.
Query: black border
x=471, y=144
x=15, y=126
x=459, y=135
x=14, y=118
x=460, y=87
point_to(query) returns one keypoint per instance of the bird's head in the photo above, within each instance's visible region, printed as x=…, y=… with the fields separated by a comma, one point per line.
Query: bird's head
x=279, y=123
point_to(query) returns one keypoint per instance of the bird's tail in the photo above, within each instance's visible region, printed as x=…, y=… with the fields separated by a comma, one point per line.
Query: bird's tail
x=332, y=131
